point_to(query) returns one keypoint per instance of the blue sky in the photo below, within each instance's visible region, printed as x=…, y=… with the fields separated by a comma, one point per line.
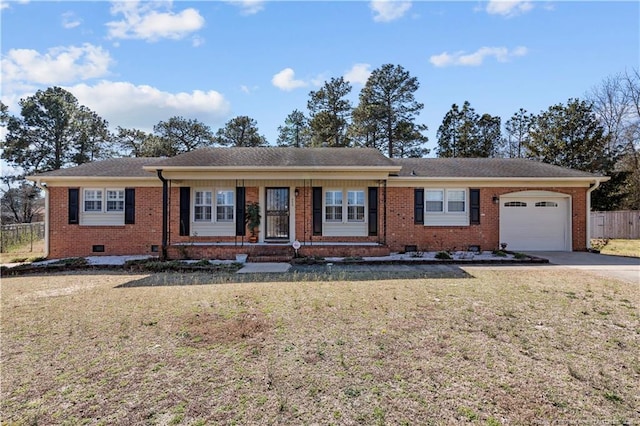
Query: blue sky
x=136, y=63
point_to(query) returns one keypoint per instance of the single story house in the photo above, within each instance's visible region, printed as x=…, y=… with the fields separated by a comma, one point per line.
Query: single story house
x=330, y=201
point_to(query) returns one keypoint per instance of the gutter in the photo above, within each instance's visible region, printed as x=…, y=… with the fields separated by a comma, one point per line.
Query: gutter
x=43, y=186
x=589, y=191
x=165, y=214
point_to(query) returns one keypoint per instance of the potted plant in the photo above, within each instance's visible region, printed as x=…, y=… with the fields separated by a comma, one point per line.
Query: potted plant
x=252, y=219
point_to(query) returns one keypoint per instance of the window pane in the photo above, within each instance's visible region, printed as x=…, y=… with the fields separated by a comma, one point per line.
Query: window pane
x=456, y=201
x=224, y=213
x=202, y=206
x=334, y=214
x=92, y=200
x=355, y=203
x=115, y=200
x=203, y=213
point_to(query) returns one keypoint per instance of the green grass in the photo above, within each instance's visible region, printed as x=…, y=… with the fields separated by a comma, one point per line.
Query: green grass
x=498, y=348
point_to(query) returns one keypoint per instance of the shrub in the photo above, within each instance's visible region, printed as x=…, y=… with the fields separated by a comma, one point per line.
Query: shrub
x=499, y=253
x=443, y=255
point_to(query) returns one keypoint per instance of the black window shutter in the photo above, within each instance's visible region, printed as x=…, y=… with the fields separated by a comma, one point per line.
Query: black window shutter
x=474, y=198
x=316, y=207
x=185, y=210
x=74, y=206
x=129, y=206
x=240, y=202
x=373, y=211
x=418, y=206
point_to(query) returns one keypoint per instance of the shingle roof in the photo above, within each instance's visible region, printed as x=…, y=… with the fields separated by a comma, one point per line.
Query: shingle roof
x=113, y=167
x=275, y=157
x=484, y=168
x=279, y=157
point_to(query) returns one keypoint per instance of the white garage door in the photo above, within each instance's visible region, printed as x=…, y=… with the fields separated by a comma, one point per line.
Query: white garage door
x=535, y=220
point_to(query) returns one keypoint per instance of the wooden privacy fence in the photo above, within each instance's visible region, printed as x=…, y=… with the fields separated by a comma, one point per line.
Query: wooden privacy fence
x=19, y=234
x=616, y=224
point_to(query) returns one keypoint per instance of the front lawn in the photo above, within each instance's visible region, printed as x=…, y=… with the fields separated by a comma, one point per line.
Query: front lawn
x=511, y=346
x=620, y=247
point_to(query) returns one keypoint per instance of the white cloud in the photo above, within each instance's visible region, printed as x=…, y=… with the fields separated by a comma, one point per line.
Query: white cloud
x=69, y=20
x=141, y=107
x=389, y=10
x=58, y=65
x=197, y=41
x=248, y=7
x=508, y=8
x=501, y=54
x=152, y=21
x=285, y=80
x=359, y=73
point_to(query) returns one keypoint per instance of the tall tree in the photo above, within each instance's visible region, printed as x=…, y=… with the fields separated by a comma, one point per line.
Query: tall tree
x=616, y=103
x=295, y=132
x=571, y=136
x=53, y=131
x=18, y=202
x=464, y=133
x=329, y=112
x=93, y=139
x=517, y=129
x=489, y=135
x=385, y=116
x=240, y=131
x=178, y=135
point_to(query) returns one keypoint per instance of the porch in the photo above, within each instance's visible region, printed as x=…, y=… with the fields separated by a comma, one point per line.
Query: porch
x=274, y=252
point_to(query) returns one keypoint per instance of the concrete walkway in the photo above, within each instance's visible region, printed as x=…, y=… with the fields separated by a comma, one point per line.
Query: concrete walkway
x=624, y=268
x=264, y=268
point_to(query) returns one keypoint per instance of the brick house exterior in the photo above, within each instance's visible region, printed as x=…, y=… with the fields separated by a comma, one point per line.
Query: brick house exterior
x=333, y=201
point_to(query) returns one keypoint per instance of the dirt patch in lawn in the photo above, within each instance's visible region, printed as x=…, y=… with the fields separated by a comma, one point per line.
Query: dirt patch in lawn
x=536, y=346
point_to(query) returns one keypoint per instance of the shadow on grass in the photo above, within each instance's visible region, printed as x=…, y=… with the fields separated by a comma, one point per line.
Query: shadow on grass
x=305, y=273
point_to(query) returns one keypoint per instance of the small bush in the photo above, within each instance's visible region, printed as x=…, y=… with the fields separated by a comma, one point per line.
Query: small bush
x=72, y=261
x=499, y=253
x=443, y=255
x=309, y=260
x=598, y=244
x=520, y=256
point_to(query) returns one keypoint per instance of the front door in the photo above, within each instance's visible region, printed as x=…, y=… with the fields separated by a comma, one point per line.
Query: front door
x=277, y=213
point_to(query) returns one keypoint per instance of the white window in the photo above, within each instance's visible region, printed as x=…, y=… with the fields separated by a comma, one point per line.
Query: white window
x=453, y=201
x=546, y=204
x=93, y=200
x=456, y=201
x=203, y=206
x=355, y=206
x=224, y=206
x=115, y=200
x=333, y=206
x=515, y=204
x=434, y=200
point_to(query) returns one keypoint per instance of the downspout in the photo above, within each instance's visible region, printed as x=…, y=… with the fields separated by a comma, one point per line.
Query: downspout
x=165, y=214
x=43, y=186
x=589, y=191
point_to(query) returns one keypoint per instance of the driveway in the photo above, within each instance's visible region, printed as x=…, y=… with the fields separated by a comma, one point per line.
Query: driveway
x=624, y=268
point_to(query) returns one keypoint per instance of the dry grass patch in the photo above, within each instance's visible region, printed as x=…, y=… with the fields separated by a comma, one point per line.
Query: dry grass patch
x=500, y=348
x=619, y=247
x=24, y=252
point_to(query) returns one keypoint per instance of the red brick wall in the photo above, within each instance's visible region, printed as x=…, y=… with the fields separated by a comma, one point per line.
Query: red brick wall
x=77, y=240
x=402, y=231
